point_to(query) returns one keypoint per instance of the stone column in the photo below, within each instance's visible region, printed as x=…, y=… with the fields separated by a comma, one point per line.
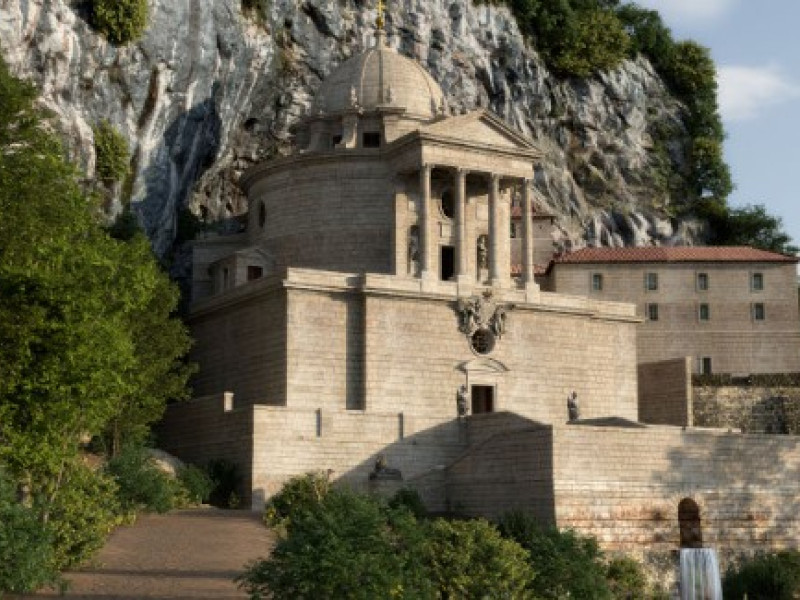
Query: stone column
x=527, y=232
x=425, y=234
x=495, y=275
x=462, y=248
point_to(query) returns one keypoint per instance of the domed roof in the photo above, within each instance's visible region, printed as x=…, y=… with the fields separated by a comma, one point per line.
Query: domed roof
x=380, y=77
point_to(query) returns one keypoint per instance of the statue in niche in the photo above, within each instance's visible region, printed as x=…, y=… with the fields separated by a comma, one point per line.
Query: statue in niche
x=382, y=472
x=497, y=324
x=353, y=97
x=572, y=407
x=461, y=401
x=389, y=95
x=413, y=249
x=483, y=252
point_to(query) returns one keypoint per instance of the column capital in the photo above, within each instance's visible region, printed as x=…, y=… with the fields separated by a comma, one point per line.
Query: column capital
x=462, y=171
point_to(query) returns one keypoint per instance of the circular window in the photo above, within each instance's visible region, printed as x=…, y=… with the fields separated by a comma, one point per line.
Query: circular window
x=448, y=204
x=262, y=215
x=482, y=341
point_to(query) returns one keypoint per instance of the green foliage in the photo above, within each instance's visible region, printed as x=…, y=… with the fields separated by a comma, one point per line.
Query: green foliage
x=74, y=356
x=749, y=225
x=111, y=152
x=226, y=480
x=566, y=563
x=298, y=495
x=142, y=486
x=626, y=579
x=121, y=21
x=346, y=546
x=409, y=499
x=82, y=514
x=470, y=559
x=196, y=483
x=26, y=553
x=766, y=577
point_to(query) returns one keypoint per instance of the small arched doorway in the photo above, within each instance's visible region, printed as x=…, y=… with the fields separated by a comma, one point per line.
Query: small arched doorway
x=690, y=524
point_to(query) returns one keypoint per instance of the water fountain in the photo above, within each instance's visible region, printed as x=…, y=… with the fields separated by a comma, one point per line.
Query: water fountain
x=700, y=574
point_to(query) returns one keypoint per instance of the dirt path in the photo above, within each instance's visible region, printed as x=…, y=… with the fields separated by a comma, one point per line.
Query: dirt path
x=180, y=556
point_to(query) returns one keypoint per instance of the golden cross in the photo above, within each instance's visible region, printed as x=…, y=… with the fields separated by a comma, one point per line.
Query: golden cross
x=381, y=8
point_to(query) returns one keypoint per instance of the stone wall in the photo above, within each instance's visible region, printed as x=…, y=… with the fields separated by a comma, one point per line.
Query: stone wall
x=665, y=392
x=756, y=409
x=207, y=428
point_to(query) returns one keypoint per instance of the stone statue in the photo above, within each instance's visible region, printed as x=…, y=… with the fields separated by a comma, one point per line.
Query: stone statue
x=389, y=96
x=353, y=97
x=469, y=313
x=498, y=322
x=413, y=249
x=483, y=253
x=572, y=407
x=461, y=401
x=382, y=471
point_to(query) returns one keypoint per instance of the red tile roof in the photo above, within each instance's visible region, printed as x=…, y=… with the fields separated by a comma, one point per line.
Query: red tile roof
x=673, y=254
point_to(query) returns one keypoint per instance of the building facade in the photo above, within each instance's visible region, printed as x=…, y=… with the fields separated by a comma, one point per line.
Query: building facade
x=371, y=316
x=733, y=309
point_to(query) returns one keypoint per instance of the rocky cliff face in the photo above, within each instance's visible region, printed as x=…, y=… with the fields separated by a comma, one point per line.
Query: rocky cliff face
x=209, y=90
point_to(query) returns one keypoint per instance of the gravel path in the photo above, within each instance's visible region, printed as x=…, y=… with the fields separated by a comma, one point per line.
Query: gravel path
x=183, y=555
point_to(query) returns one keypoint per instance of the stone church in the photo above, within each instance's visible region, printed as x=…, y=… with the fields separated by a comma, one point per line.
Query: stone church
x=380, y=319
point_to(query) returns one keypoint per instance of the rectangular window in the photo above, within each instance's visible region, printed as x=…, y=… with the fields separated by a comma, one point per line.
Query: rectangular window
x=702, y=282
x=336, y=140
x=597, y=282
x=372, y=139
x=704, y=365
x=758, y=312
x=704, y=312
x=652, y=312
x=756, y=282
x=651, y=281
x=254, y=272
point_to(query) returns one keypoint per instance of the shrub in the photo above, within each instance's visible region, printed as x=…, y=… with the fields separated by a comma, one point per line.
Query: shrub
x=470, y=559
x=142, y=486
x=196, y=484
x=82, y=514
x=111, y=152
x=345, y=545
x=121, y=21
x=226, y=479
x=566, y=563
x=626, y=579
x=409, y=499
x=766, y=577
x=26, y=555
x=298, y=495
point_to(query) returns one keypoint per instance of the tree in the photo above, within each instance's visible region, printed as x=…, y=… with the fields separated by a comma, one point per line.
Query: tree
x=85, y=327
x=750, y=225
x=121, y=21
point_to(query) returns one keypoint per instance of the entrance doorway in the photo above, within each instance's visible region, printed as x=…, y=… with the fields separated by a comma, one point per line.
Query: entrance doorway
x=448, y=263
x=482, y=399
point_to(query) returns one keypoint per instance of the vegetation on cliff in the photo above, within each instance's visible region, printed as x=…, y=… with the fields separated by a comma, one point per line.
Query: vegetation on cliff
x=88, y=344
x=121, y=21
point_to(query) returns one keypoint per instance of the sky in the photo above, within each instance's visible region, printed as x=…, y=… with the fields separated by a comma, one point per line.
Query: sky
x=757, y=51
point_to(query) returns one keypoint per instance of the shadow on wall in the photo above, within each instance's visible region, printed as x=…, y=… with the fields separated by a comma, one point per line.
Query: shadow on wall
x=483, y=465
x=188, y=149
x=746, y=488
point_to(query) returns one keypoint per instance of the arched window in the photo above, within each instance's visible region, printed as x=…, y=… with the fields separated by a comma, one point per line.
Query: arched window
x=690, y=524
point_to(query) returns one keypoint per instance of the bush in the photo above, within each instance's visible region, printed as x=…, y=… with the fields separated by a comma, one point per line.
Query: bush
x=626, y=579
x=767, y=577
x=26, y=554
x=111, y=152
x=470, y=559
x=196, y=484
x=409, y=499
x=121, y=21
x=226, y=479
x=345, y=545
x=566, y=563
x=82, y=514
x=142, y=486
x=299, y=494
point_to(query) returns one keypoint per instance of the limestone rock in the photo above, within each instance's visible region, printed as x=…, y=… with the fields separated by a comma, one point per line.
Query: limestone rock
x=209, y=90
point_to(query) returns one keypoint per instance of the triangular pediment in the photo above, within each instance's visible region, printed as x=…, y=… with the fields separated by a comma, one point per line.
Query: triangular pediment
x=480, y=127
